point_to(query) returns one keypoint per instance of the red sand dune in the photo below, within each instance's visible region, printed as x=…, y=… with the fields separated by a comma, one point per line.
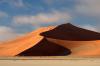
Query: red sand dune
x=80, y=41
x=63, y=40
x=14, y=47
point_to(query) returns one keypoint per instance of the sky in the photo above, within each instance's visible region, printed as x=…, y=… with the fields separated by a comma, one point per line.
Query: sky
x=18, y=17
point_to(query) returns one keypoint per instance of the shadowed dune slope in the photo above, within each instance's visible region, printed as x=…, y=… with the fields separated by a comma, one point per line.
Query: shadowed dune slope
x=71, y=32
x=46, y=48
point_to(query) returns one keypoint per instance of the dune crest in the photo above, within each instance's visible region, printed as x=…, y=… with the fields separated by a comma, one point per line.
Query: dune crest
x=71, y=32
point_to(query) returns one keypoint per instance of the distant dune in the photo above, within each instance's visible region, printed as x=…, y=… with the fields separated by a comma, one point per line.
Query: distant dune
x=62, y=40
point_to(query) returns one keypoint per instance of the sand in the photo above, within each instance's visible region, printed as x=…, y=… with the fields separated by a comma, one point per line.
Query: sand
x=80, y=48
x=76, y=41
x=81, y=42
x=46, y=48
x=16, y=46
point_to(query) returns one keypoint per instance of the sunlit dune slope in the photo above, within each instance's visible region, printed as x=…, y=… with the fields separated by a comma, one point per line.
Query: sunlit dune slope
x=14, y=47
x=80, y=48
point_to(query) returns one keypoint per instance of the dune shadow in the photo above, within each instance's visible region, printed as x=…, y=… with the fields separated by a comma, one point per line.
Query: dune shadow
x=46, y=48
x=71, y=32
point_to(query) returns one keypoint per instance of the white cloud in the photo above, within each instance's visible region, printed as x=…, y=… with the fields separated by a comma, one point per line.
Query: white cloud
x=7, y=33
x=48, y=1
x=88, y=7
x=51, y=17
x=51, y=2
x=16, y=3
x=90, y=27
x=3, y=14
x=91, y=9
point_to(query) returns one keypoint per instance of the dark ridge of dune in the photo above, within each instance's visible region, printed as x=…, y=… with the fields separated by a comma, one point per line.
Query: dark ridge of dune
x=71, y=32
x=46, y=48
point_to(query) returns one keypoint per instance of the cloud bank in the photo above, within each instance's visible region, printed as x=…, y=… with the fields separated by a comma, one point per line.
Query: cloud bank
x=88, y=7
x=43, y=18
x=13, y=3
x=3, y=14
x=7, y=33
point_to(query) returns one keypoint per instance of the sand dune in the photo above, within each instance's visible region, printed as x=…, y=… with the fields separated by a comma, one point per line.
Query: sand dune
x=54, y=41
x=80, y=48
x=14, y=47
x=81, y=42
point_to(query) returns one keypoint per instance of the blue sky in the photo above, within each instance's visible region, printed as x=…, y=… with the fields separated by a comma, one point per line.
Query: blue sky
x=18, y=17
